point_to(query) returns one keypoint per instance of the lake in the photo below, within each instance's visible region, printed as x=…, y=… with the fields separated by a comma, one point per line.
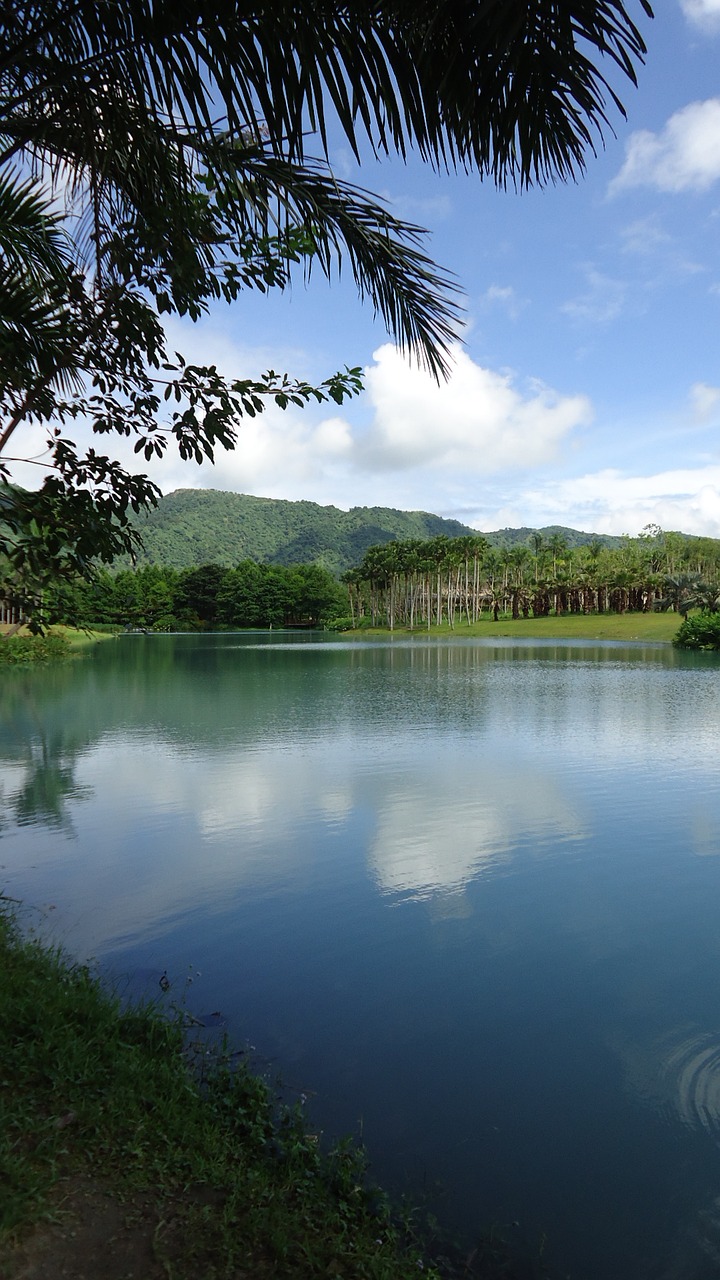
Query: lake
x=463, y=896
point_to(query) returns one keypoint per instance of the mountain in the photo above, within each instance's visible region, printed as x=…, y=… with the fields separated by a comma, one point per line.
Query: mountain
x=206, y=526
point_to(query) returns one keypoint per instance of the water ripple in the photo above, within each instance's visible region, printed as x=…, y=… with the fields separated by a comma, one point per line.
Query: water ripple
x=691, y=1072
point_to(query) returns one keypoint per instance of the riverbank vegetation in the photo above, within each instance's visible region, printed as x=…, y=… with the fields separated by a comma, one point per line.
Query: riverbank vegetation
x=115, y=1124
x=206, y=598
x=457, y=580
x=438, y=583
x=701, y=631
x=19, y=647
x=18, y=650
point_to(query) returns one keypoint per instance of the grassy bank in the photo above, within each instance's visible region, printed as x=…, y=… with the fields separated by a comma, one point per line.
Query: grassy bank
x=631, y=627
x=119, y=1157
x=22, y=648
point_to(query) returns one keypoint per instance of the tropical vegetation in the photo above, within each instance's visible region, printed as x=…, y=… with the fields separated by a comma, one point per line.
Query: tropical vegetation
x=207, y=597
x=700, y=631
x=175, y=138
x=415, y=583
x=410, y=583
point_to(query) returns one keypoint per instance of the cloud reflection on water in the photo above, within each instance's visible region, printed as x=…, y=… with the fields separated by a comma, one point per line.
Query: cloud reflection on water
x=441, y=829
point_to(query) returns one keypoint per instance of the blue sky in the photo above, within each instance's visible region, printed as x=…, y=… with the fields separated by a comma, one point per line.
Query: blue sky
x=586, y=390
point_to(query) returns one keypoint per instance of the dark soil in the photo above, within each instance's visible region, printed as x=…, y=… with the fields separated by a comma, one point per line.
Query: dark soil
x=91, y=1232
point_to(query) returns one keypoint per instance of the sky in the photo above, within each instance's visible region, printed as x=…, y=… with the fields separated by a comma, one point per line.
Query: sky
x=585, y=385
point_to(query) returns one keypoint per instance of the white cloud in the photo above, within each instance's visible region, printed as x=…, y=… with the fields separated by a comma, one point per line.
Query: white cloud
x=478, y=421
x=703, y=400
x=602, y=301
x=685, y=156
x=704, y=13
x=609, y=501
x=422, y=439
x=504, y=296
x=457, y=449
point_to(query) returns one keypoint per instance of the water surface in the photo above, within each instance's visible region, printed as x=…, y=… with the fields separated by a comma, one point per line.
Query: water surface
x=464, y=896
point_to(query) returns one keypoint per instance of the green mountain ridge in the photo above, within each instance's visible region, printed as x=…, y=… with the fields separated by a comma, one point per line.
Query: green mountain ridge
x=190, y=527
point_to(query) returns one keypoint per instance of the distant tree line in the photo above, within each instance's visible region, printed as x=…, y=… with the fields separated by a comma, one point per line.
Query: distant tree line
x=210, y=596
x=413, y=582
x=410, y=582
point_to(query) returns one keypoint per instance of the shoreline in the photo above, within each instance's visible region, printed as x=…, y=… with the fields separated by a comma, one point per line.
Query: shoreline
x=128, y=1152
x=659, y=628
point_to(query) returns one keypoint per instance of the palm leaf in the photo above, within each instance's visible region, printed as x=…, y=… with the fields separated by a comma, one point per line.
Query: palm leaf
x=32, y=239
x=417, y=301
x=505, y=86
x=135, y=100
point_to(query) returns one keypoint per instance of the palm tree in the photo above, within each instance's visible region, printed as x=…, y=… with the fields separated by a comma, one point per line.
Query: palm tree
x=180, y=125
x=519, y=557
x=180, y=134
x=537, y=542
x=557, y=545
x=707, y=597
x=683, y=592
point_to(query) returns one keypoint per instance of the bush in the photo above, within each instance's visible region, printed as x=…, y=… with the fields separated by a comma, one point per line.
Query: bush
x=23, y=649
x=339, y=624
x=700, y=631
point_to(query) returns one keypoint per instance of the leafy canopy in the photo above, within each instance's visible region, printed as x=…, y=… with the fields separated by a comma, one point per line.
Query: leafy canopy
x=154, y=158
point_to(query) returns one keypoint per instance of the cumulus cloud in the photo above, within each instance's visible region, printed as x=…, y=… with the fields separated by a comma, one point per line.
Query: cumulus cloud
x=684, y=156
x=478, y=421
x=463, y=449
x=418, y=437
x=703, y=13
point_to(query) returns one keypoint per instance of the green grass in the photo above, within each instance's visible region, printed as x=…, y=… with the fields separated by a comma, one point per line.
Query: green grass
x=80, y=639
x=21, y=650
x=660, y=627
x=93, y=1090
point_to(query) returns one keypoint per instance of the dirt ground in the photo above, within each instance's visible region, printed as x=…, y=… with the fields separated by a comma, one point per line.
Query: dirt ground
x=93, y=1234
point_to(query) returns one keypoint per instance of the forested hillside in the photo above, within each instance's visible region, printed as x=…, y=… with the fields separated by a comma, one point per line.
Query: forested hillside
x=191, y=527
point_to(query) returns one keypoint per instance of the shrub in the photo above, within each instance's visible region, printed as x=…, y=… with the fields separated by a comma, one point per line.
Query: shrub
x=700, y=631
x=15, y=650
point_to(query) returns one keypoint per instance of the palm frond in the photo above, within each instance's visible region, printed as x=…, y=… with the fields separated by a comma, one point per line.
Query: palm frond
x=36, y=269
x=508, y=87
x=136, y=100
x=32, y=239
x=417, y=301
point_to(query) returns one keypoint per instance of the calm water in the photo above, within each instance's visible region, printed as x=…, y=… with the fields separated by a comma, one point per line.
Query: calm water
x=464, y=896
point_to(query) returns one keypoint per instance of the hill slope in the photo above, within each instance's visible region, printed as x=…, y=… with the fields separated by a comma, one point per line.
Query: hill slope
x=206, y=526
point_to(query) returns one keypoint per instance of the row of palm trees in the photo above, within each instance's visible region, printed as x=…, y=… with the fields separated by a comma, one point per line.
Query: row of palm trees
x=415, y=582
